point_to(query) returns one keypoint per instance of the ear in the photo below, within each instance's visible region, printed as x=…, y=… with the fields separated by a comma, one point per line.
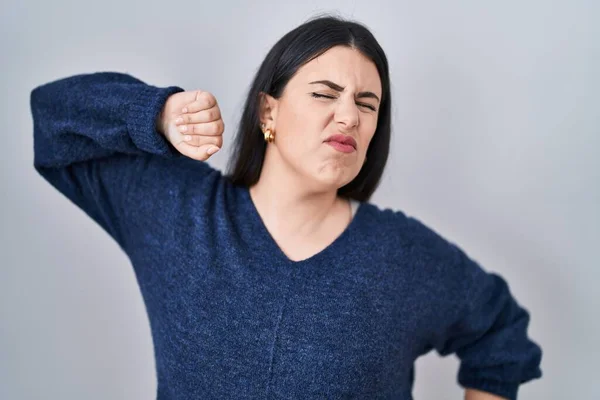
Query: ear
x=267, y=110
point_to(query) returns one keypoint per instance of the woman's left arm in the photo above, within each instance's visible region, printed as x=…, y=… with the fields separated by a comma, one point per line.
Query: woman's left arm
x=488, y=334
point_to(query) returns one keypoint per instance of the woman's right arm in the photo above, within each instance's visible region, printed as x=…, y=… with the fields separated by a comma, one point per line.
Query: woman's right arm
x=94, y=137
x=91, y=116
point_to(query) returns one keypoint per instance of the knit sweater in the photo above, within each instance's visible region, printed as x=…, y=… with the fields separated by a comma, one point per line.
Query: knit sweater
x=231, y=315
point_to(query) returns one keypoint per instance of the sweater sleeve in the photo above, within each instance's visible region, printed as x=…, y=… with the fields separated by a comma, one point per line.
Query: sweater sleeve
x=489, y=335
x=93, y=134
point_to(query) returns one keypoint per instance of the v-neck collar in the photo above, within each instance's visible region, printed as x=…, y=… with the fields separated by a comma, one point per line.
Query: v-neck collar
x=267, y=242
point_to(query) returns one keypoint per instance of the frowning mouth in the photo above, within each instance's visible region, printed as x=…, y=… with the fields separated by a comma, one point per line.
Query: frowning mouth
x=343, y=143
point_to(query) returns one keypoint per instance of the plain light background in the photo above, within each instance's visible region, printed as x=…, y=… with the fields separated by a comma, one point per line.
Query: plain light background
x=495, y=146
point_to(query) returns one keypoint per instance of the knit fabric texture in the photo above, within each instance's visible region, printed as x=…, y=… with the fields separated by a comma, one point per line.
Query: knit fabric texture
x=231, y=316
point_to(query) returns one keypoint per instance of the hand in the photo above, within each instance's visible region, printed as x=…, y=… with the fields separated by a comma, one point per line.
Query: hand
x=196, y=132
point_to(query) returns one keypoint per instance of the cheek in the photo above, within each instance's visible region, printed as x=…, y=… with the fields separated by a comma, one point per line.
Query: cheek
x=300, y=129
x=367, y=136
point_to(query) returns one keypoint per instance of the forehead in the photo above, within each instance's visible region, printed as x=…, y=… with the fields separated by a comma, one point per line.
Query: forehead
x=342, y=65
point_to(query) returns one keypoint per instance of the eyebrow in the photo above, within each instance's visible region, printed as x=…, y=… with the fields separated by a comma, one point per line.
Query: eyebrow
x=339, y=88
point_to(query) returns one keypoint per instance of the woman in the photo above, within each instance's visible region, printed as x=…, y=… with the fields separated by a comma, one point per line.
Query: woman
x=279, y=280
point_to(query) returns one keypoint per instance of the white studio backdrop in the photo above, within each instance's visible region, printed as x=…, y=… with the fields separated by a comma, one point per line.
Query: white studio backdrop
x=495, y=146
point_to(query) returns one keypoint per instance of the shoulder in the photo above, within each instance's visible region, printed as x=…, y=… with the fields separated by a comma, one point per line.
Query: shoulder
x=168, y=184
x=436, y=270
x=406, y=231
x=177, y=172
x=431, y=258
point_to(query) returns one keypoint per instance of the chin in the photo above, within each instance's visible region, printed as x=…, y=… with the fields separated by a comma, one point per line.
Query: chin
x=333, y=173
x=334, y=179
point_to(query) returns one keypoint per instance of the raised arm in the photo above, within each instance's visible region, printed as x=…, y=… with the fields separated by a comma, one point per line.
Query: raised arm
x=91, y=116
x=95, y=138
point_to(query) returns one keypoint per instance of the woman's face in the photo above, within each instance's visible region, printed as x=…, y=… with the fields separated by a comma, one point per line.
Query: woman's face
x=336, y=93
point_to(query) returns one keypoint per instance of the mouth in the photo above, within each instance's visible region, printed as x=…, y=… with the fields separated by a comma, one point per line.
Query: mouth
x=343, y=143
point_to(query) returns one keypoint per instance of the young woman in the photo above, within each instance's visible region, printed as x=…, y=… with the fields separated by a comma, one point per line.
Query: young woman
x=279, y=279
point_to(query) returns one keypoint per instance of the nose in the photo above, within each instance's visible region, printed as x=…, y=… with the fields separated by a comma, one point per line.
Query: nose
x=346, y=114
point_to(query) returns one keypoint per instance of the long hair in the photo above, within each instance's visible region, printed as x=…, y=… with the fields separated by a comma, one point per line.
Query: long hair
x=296, y=48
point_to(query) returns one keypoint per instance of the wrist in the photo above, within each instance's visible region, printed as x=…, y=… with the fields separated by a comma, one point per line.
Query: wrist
x=159, y=123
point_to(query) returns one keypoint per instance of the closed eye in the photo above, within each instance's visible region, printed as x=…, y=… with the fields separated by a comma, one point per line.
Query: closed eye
x=317, y=95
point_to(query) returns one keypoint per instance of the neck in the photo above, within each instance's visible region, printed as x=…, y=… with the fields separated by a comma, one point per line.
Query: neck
x=291, y=207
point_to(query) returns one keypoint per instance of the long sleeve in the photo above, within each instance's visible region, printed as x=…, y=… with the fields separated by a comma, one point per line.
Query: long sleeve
x=489, y=335
x=92, y=134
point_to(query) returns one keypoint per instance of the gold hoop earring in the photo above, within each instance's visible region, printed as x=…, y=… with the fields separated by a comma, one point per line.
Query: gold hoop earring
x=269, y=136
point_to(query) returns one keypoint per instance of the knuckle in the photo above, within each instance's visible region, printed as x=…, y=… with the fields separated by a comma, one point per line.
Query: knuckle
x=204, y=97
x=210, y=99
x=209, y=96
x=216, y=128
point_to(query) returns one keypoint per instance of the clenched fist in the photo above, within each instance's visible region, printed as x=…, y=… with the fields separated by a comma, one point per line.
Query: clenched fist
x=191, y=121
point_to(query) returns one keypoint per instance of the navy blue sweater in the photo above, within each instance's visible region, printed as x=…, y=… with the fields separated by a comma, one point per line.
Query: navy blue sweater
x=231, y=316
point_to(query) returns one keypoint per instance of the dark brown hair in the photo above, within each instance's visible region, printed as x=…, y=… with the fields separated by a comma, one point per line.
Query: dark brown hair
x=296, y=48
